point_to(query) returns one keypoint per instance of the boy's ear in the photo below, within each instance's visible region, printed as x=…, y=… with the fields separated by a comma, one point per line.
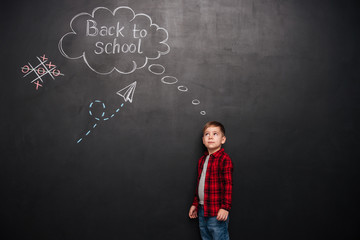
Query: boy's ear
x=223, y=140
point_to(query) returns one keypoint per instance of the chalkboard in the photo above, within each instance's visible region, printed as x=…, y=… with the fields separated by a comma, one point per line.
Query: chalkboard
x=103, y=103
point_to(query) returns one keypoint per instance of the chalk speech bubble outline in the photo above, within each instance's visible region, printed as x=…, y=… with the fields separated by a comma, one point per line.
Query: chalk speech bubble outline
x=83, y=55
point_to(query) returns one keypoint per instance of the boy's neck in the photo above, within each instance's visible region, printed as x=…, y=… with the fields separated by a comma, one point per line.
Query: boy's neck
x=211, y=151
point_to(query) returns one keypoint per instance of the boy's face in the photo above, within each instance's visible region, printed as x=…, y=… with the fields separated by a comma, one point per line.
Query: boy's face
x=213, y=139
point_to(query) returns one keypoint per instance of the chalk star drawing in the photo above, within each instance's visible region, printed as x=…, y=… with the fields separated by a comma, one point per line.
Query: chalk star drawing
x=42, y=69
x=127, y=93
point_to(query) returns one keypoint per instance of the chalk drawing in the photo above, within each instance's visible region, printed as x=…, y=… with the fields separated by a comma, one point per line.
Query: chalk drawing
x=195, y=102
x=125, y=40
x=44, y=68
x=171, y=80
x=127, y=93
x=99, y=118
x=154, y=67
x=117, y=40
x=122, y=39
x=182, y=89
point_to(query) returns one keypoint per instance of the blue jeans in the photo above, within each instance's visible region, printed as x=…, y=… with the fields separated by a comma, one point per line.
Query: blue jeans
x=211, y=228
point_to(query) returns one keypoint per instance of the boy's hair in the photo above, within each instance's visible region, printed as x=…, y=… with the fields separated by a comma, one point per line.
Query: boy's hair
x=214, y=124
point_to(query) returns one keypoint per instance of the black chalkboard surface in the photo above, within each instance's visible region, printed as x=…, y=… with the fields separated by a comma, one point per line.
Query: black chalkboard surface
x=103, y=103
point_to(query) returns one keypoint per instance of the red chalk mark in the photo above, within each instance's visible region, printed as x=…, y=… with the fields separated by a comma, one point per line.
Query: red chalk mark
x=50, y=65
x=37, y=84
x=56, y=72
x=41, y=71
x=44, y=58
x=25, y=69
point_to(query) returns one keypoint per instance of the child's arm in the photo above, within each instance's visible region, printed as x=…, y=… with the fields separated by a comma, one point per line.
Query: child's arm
x=222, y=215
x=193, y=212
x=226, y=175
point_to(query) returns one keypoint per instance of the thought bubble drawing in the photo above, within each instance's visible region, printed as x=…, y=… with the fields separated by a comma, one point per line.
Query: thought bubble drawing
x=158, y=69
x=118, y=40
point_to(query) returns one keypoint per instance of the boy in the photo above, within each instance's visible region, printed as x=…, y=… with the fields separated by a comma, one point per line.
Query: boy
x=212, y=201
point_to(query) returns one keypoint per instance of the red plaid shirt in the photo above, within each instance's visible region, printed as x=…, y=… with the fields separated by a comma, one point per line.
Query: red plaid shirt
x=218, y=183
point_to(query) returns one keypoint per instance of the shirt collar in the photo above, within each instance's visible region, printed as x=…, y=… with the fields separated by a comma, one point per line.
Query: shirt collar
x=215, y=154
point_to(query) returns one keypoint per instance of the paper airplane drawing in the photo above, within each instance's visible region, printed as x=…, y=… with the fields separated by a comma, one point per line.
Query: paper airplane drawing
x=128, y=92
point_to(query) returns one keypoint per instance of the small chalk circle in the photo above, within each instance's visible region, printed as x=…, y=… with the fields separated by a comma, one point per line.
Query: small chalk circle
x=182, y=89
x=154, y=68
x=195, y=102
x=169, y=80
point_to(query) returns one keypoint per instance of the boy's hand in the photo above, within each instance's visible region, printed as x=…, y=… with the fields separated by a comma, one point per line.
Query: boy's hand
x=222, y=215
x=193, y=212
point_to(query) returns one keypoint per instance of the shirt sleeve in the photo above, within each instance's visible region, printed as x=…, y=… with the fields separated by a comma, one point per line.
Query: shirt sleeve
x=227, y=181
x=196, y=201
